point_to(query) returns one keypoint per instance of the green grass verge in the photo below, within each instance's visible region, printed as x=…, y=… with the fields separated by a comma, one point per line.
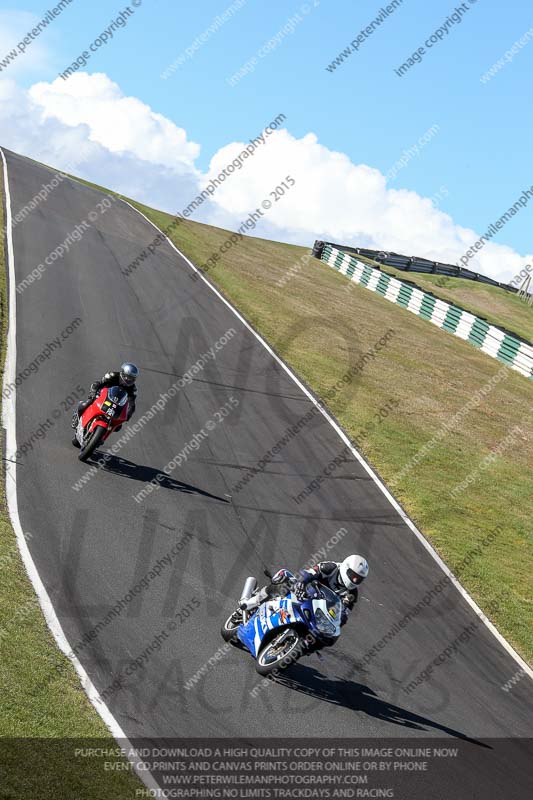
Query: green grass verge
x=320, y=323
x=494, y=304
x=40, y=693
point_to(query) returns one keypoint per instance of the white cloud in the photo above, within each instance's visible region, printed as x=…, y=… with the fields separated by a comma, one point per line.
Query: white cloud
x=30, y=126
x=120, y=124
x=125, y=145
x=337, y=200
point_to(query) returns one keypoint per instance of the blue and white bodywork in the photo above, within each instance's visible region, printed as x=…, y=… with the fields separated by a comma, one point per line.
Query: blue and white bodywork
x=286, y=627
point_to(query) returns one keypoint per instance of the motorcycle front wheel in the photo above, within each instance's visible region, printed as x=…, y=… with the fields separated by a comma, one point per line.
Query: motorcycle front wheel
x=281, y=651
x=93, y=440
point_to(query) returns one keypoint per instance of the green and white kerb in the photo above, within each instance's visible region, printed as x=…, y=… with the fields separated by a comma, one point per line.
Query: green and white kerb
x=491, y=340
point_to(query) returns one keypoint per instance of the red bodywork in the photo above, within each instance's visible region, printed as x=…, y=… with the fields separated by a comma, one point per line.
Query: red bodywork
x=96, y=415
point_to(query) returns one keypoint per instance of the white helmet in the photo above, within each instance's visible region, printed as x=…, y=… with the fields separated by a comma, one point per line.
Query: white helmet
x=353, y=571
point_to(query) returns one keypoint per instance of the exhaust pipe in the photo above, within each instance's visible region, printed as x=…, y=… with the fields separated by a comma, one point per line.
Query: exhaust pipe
x=250, y=586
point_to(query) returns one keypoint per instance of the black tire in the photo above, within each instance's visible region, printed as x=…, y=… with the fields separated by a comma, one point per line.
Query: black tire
x=92, y=443
x=291, y=648
x=229, y=630
x=75, y=442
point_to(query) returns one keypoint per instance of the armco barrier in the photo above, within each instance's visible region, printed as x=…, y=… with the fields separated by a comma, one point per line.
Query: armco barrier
x=413, y=264
x=493, y=341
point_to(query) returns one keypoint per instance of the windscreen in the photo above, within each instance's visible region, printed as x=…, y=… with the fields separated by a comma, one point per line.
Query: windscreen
x=117, y=395
x=332, y=599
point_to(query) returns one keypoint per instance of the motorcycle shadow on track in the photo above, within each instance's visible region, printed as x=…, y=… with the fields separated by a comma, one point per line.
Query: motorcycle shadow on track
x=145, y=474
x=358, y=697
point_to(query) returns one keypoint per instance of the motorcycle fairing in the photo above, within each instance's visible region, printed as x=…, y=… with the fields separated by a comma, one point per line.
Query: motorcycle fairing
x=96, y=414
x=281, y=612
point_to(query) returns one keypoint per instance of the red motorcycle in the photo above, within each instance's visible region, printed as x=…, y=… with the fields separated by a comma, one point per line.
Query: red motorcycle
x=105, y=414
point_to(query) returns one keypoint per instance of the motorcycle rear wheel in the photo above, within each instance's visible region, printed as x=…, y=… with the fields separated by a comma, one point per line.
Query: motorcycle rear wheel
x=92, y=443
x=229, y=628
x=281, y=651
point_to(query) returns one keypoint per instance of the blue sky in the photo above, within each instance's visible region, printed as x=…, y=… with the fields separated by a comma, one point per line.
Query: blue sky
x=481, y=154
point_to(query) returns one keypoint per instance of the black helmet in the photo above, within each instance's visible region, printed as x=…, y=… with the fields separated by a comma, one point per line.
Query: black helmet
x=128, y=374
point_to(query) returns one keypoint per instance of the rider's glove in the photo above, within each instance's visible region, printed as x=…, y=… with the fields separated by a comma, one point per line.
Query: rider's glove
x=300, y=589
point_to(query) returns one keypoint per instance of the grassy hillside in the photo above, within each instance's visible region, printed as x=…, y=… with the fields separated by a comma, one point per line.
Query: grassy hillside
x=496, y=305
x=40, y=692
x=321, y=324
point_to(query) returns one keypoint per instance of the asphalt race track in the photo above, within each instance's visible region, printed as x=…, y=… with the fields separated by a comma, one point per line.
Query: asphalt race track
x=93, y=545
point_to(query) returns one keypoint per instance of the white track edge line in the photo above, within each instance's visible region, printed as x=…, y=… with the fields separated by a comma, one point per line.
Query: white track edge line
x=9, y=423
x=408, y=521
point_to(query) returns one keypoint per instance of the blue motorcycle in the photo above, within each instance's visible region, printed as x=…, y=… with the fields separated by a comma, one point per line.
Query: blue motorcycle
x=286, y=627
